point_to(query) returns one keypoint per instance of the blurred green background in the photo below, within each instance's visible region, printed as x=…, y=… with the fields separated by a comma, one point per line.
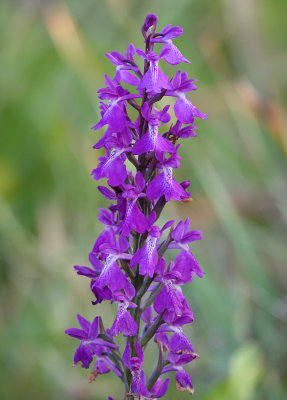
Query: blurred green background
x=52, y=64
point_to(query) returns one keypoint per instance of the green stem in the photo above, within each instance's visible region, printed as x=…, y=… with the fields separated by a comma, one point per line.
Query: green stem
x=158, y=369
x=152, y=330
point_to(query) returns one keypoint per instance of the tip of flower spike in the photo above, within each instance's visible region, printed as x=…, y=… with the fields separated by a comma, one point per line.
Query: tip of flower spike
x=150, y=22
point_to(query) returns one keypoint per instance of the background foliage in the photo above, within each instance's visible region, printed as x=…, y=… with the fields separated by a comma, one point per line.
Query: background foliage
x=52, y=63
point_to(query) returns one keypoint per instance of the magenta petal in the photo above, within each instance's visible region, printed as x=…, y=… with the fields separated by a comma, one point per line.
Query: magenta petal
x=111, y=167
x=85, y=324
x=145, y=111
x=85, y=271
x=134, y=219
x=178, y=232
x=171, y=32
x=192, y=236
x=124, y=323
x=149, y=258
x=94, y=328
x=115, y=117
x=172, y=55
x=83, y=356
x=111, y=276
x=139, y=385
x=76, y=333
x=140, y=181
x=176, y=192
x=185, y=111
x=154, y=80
x=164, y=184
x=156, y=188
x=127, y=355
x=180, y=344
x=159, y=389
x=107, y=193
x=129, y=78
x=183, y=382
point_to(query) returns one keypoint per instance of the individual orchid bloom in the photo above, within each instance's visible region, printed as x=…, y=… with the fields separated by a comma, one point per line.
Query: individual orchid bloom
x=88, y=336
x=154, y=80
x=159, y=388
x=124, y=64
x=147, y=257
x=112, y=167
x=96, y=256
x=170, y=298
x=110, y=274
x=113, y=113
x=107, y=236
x=107, y=217
x=113, y=277
x=127, y=262
x=184, y=110
x=103, y=364
x=182, y=236
x=152, y=140
x=138, y=385
x=112, y=139
x=164, y=184
x=162, y=339
x=100, y=294
x=179, y=132
x=124, y=323
x=178, y=343
x=169, y=51
x=134, y=218
x=183, y=380
x=186, y=317
x=187, y=266
x=107, y=193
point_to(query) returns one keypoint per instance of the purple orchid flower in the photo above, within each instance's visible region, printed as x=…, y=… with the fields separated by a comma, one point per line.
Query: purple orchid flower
x=183, y=380
x=89, y=340
x=184, y=110
x=164, y=184
x=152, y=140
x=138, y=385
x=178, y=343
x=124, y=64
x=147, y=257
x=169, y=51
x=103, y=364
x=179, y=132
x=159, y=389
x=154, y=80
x=113, y=114
x=124, y=323
x=128, y=265
x=134, y=218
x=112, y=167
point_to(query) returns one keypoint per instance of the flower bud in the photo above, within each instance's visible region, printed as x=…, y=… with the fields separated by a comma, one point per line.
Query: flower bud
x=150, y=22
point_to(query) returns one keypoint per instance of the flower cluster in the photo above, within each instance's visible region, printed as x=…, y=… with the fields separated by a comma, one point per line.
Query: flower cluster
x=127, y=262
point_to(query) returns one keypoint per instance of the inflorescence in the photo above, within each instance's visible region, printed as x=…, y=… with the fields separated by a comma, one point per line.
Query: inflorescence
x=128, y=267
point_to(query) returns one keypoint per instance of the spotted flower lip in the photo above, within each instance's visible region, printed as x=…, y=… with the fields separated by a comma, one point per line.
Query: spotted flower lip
x=133, y=264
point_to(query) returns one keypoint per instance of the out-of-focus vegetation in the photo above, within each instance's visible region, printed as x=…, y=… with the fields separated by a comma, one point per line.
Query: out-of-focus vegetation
x=52, y=63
